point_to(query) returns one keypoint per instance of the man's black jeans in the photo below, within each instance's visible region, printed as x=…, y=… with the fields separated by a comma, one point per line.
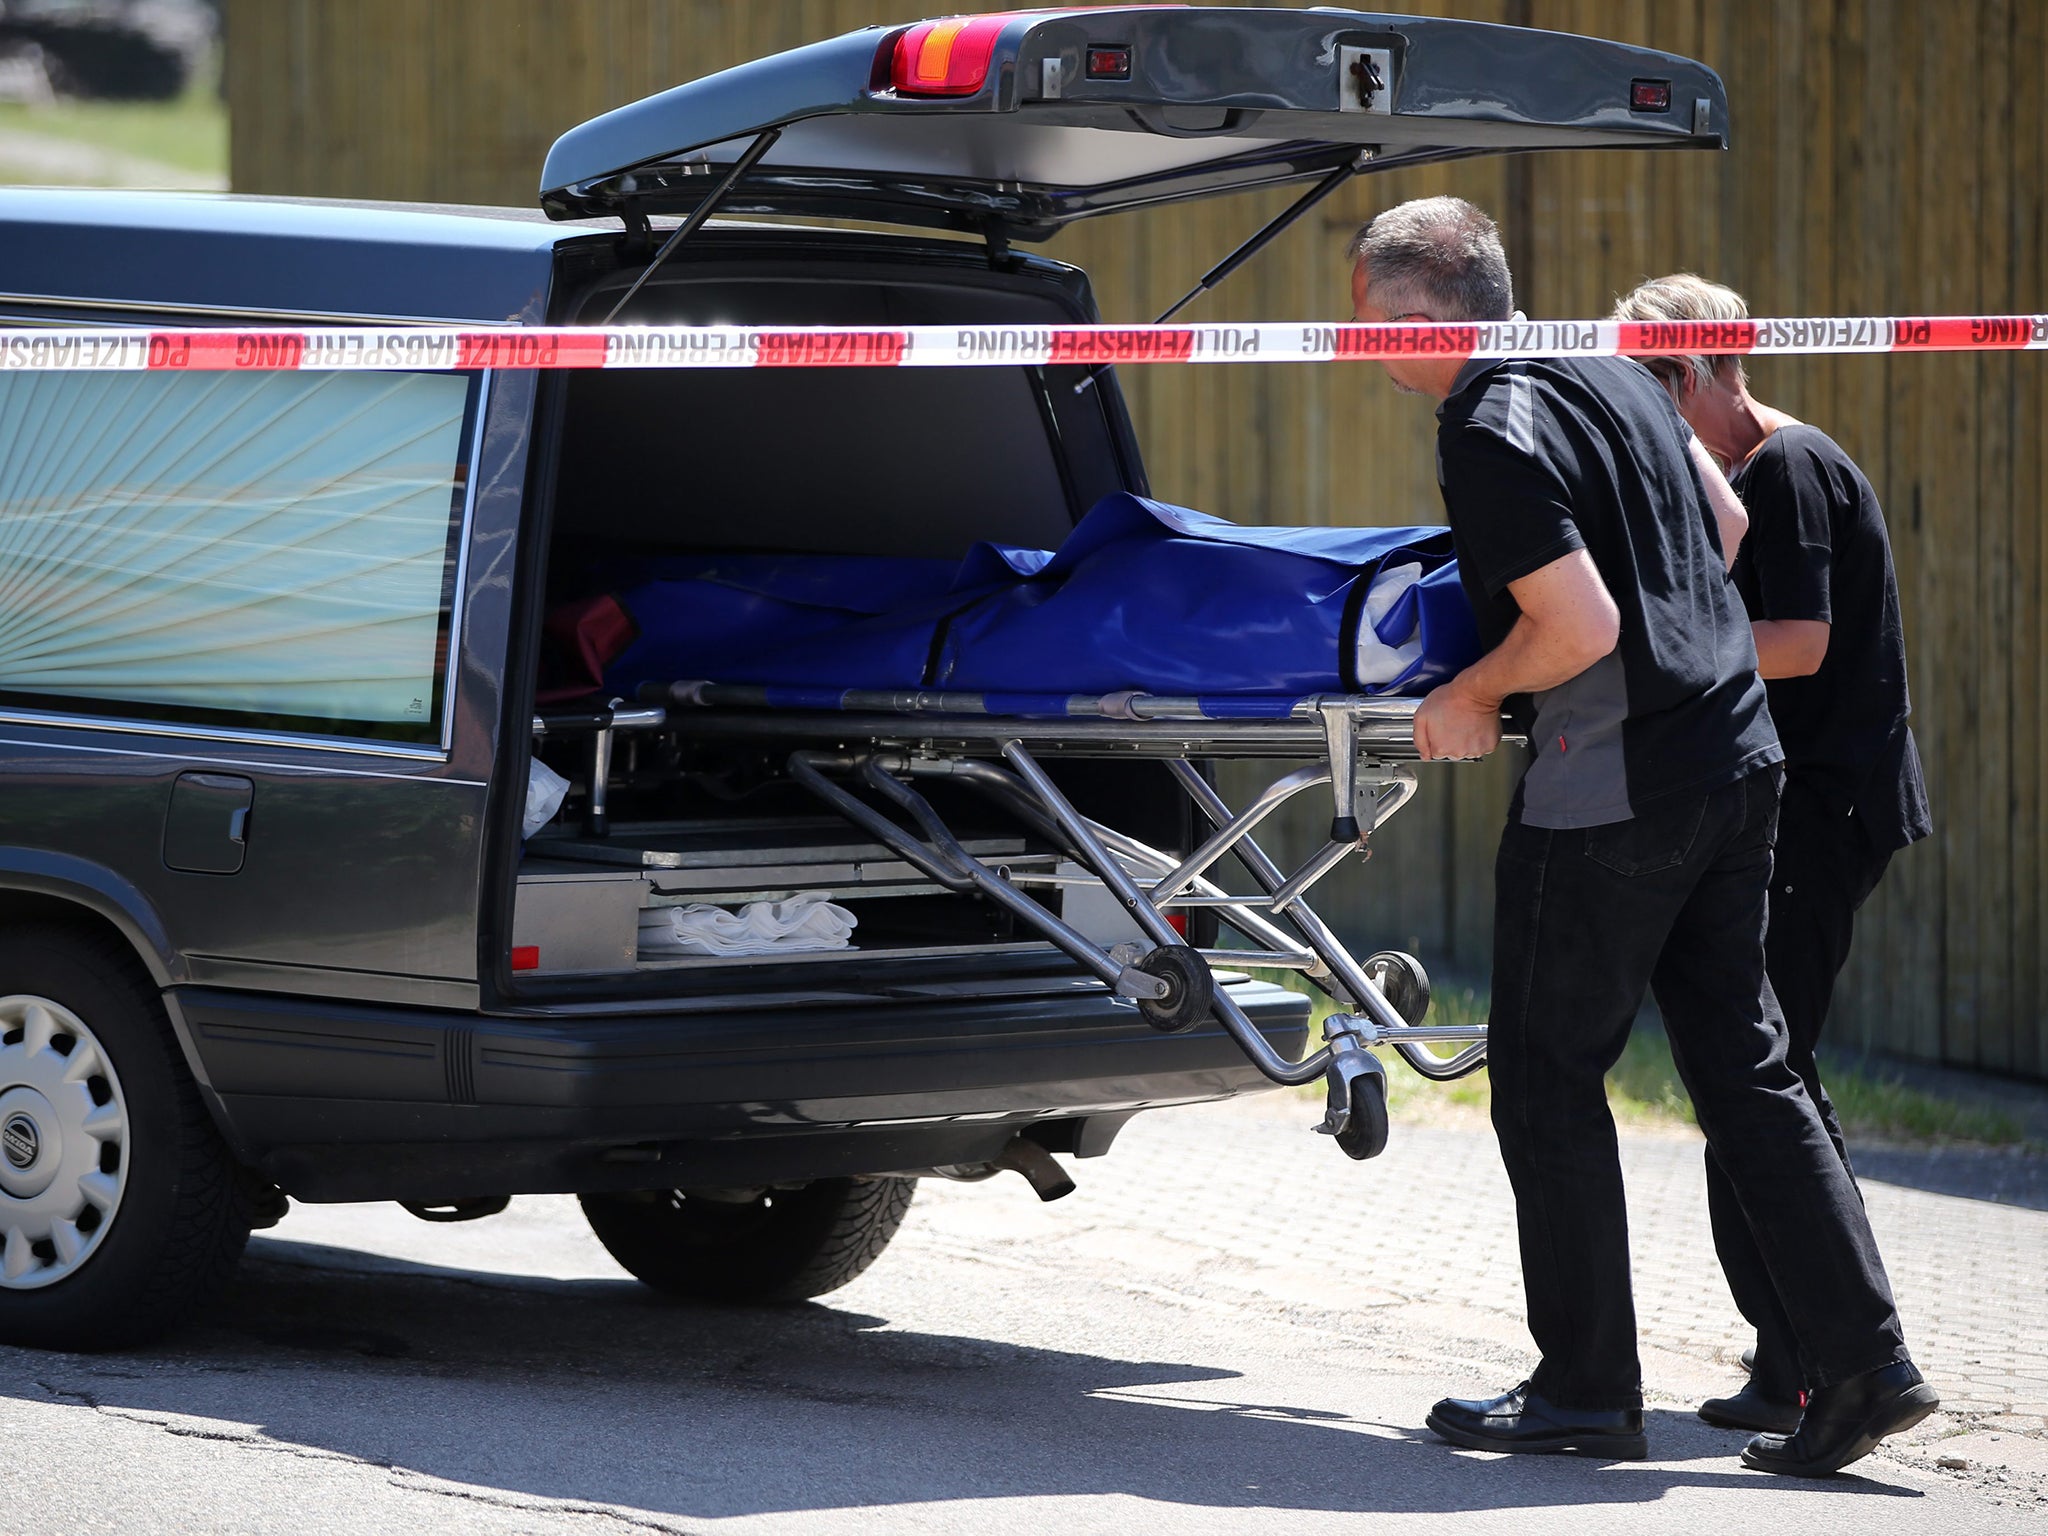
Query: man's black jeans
x=1826, y=868
x=1585, y=921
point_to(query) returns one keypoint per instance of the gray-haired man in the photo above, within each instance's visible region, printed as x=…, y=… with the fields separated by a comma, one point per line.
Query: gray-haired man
x=1593, y=536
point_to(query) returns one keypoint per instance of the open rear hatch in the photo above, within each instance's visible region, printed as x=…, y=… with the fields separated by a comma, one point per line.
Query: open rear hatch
x=1016, y=124
x=1008, y=126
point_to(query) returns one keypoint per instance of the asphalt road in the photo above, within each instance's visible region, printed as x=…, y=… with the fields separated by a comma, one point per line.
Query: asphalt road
x=1006, y=1367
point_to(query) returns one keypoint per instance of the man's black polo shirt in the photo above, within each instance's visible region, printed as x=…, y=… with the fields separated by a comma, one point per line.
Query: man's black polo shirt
x=1817, y=549
x=1540, y=457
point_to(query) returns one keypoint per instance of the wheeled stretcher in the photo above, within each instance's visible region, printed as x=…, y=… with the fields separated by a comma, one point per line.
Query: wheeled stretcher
x=858, y=751
x=1178, y=637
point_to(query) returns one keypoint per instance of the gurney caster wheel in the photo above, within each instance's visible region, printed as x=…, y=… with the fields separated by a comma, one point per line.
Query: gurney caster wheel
x=1404, y=982
x=1365, y=1134
x=1190, y=989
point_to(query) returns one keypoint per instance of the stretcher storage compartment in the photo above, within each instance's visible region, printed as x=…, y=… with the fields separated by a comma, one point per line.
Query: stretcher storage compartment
x=581, y=898
x=571, y=919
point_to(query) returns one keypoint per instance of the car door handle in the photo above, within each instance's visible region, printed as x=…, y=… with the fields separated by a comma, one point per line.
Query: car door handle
x=1195, y=122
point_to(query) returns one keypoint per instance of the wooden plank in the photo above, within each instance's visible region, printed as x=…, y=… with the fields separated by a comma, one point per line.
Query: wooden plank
x=1912, y=938
x=1948, y=435
x=1992, y=881
x=1867, y=997
x=1913, y=476
x=1819, y=254
x=2026, y=158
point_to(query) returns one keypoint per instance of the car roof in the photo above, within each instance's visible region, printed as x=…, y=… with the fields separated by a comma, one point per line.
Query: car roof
x=291, y=256
x=221, y=253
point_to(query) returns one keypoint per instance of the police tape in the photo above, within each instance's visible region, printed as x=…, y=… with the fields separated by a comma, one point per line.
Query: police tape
x=439, y=348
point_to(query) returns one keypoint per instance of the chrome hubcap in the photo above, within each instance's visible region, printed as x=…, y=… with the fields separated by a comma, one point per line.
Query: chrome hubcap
x=63, y=1142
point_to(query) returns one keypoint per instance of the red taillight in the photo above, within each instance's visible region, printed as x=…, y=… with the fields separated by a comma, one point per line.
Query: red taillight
x=1649, y=96
x=1112, y=63
x=526, y=957
x=946, y=58
x=1178, y=922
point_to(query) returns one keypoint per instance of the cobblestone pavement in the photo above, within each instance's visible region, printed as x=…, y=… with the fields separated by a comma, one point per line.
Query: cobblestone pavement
x=1229, y=1330
x=1243, y=1197
x=1432, y=1222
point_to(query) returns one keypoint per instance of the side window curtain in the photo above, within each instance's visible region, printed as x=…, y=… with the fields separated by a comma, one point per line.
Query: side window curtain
x=270, y=549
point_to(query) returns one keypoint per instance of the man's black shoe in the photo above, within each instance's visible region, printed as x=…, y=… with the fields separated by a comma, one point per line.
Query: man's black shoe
x=1749, y=1359
x=1845, y=1421
x=1750, y=1409
x=1522, y=1420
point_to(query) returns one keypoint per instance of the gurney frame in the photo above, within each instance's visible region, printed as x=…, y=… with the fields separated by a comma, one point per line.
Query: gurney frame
x=1361, y=748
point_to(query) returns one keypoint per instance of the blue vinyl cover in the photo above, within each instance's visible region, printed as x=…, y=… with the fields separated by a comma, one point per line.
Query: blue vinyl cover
x=806, y=621
x=1141, y=595
x=762, y=618
x=1146, y=595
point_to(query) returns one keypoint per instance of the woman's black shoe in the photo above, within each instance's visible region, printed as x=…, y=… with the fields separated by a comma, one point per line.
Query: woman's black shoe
x=1845, y=1422
x=1522, y=1420
x=1750, y=1409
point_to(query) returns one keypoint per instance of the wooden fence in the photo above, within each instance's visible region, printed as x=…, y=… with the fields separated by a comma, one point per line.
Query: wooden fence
x=1890, y=158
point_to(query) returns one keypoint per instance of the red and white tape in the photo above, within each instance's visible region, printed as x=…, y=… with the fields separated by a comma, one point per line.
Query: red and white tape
x=435, y=348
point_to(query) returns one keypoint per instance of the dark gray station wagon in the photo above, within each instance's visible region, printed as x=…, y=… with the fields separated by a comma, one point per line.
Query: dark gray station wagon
x=276, y=652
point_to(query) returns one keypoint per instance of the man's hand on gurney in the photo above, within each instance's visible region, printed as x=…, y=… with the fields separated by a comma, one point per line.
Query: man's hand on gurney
x=1452, y=722
x=1567, y=623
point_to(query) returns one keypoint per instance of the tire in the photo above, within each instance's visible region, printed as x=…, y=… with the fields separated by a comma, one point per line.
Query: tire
x=1366, y=1133
x=1402, y=981
x=784, y=1245
x=1190, y=989
x=113, y=1144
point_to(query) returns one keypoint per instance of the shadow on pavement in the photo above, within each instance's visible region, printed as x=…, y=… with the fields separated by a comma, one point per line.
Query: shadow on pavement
x=599, y=1392
x=1970, y=1173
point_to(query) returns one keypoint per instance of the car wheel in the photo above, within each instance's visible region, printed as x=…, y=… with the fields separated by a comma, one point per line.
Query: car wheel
x=751, y=1246
x=119, y=1204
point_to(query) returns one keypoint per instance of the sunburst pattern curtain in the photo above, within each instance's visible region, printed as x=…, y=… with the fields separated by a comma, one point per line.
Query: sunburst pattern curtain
x=270, y=544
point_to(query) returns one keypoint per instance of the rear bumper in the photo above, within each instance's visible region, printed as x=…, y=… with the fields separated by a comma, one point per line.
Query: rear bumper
x=337, y=1102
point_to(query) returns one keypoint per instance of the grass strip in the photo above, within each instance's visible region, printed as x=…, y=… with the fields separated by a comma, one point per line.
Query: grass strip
x=1875, y=1101
x=188, y=134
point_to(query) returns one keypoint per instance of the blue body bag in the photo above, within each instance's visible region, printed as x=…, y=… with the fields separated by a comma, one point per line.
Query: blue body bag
x=1140, y=596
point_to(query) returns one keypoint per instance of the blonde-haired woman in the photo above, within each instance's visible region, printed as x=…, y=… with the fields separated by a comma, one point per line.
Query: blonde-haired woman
x=1815, y=573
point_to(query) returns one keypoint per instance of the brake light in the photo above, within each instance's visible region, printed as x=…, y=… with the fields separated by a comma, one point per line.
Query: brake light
x=526, y=957
x=1113, y=63
x=1178, y=922
x=1649, y=96
x=946, y=58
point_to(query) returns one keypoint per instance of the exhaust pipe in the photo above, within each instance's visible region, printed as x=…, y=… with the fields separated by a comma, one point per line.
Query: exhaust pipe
x=1045, y=1176
x=1048, y=1180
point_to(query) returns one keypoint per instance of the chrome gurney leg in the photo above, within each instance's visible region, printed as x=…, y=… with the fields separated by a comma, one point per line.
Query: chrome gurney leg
x=1014, y=795
x=1027, y=792
x=1148, y=917
x=947, y=862
x=1153, y=923
x=1384, y=1023
x=1231, y=830
x=1171, y=983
